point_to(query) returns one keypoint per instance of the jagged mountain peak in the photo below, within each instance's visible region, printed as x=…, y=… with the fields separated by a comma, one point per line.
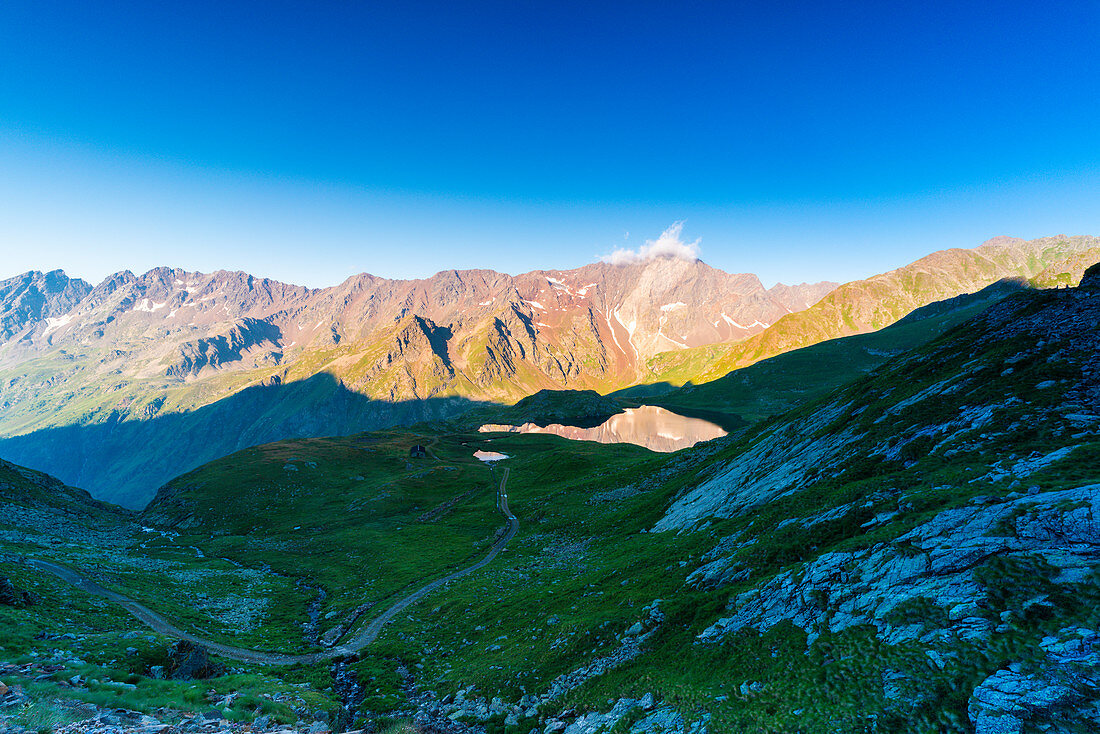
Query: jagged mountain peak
x=1006, y=241
x=48, y=281
x=36, y=297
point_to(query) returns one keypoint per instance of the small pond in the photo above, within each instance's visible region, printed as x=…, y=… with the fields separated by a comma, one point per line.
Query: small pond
x=655, y=428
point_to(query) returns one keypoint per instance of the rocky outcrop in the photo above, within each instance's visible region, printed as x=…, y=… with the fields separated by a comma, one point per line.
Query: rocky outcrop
x=651, y=719
x=1059, y=692
x=776, y=462
x=449, y=713
x=13, y=597
x=936, y=564
x=243, y=338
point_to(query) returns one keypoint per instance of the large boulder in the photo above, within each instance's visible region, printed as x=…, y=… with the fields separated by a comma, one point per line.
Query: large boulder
x=187, y=660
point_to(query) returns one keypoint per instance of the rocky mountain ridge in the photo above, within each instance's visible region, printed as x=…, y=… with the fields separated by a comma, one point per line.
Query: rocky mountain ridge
x=34, y=297
x=479, y=334
x=174, y=343
x=873, y=303
x=79, y=386
x=41, y=311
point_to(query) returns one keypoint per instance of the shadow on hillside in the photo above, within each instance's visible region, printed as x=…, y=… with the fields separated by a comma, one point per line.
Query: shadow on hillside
x=772, y=386
x=126, y=461
x=645, y=390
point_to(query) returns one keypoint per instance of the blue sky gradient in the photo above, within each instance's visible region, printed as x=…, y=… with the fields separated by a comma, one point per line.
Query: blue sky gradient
x=307, y=142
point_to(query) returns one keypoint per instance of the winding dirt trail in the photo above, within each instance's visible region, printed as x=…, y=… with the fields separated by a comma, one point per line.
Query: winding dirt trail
x=357, y=642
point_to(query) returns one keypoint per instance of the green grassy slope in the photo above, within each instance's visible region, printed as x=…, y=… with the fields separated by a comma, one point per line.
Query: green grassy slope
x=353, y=515
x=1068, y=272
x=775, y=385
x=56, y=633
x=29, y=489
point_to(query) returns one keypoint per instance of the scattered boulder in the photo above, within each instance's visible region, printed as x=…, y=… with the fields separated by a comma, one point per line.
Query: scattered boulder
x=8, y=596
x=662, y=720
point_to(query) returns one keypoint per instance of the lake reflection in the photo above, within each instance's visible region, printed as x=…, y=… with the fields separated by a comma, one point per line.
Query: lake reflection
x=655, y=428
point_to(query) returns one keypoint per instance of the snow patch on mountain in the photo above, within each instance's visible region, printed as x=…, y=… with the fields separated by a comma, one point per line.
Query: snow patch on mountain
x=629, y=330
x=53, y=325
x=736, y=325
x=150, y=307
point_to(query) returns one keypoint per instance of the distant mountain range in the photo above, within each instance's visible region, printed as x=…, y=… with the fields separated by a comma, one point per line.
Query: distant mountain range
x=171, y=342
x=474, y=332
x=193, y=366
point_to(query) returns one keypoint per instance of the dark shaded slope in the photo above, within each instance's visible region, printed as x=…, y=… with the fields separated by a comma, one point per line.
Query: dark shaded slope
x=28, y=488
x=125, y=461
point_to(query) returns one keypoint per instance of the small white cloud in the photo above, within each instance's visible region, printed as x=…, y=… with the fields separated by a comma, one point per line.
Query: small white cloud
x=668, y=244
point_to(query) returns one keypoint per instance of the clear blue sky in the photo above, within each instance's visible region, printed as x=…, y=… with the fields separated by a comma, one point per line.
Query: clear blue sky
x=310, y=141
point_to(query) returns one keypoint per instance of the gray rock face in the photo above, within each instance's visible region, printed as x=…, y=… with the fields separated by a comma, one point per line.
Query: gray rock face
x=595, y=722
x=777, y=462
x=630, y=648
x=934, y=561
x=33, y=297
x=664, y=720
x=656, y=720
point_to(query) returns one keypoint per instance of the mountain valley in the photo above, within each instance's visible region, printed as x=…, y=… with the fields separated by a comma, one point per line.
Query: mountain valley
x=907, y=544
x=191, y=367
